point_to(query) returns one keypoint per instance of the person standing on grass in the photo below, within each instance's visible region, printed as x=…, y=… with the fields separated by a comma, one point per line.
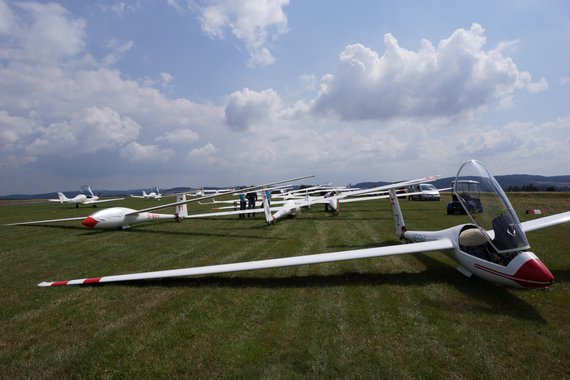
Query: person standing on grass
x=251, y=198
x=242, y=203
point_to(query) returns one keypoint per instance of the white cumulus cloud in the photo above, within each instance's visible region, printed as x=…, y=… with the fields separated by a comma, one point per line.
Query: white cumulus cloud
x=456, y=77
x=56, y=98
x=255, y=22
x=136, y=152
x=179, y=136
x=92, y=130
x=247, y=108
x=206, y=151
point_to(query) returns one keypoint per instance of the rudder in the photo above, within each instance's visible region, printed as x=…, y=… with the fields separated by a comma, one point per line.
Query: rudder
x=397, y=214
x=181, y=209
x=266, y=209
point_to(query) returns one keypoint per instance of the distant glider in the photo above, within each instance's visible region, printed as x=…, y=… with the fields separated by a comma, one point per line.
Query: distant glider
x=154, y=194
x=82, y=199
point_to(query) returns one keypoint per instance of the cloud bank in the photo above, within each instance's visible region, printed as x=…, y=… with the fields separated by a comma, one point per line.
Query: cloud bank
x=456, y=78
x=59, y=103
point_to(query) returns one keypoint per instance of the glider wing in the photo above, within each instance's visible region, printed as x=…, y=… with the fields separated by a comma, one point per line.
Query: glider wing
x=400, y=249
x=545, y=222
x=46, y=221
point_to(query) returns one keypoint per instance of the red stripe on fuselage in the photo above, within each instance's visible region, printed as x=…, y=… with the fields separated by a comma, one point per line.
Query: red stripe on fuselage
x=530, y=277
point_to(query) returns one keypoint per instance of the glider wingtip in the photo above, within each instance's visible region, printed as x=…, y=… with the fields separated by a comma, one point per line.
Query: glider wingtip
x=45, y=284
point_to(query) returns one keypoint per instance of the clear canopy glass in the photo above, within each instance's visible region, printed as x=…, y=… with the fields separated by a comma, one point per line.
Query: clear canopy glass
x=489, y=208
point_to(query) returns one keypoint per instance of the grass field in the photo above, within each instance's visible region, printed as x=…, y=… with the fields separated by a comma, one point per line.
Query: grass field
x=410, y=316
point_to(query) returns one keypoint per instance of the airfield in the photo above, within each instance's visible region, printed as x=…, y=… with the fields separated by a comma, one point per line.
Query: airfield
x=411, y=316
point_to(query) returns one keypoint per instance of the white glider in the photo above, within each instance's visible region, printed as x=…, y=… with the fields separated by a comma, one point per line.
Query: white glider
x=82, y=199
x=154, y=194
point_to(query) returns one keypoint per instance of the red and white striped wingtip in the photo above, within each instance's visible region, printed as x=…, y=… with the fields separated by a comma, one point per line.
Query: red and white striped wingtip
x=82, y=281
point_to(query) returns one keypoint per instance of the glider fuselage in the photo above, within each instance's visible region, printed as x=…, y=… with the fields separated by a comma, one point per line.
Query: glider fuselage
x=521, y=269
x=121, y=217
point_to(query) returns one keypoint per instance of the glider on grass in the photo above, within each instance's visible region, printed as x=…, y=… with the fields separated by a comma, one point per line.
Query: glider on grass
x=122, y=217
x=82, y=199
x=154, y=194
x=493, y=247
x=331, y=200
x=283, y=195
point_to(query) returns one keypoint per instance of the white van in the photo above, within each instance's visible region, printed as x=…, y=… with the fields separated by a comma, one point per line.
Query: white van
x=428, y=192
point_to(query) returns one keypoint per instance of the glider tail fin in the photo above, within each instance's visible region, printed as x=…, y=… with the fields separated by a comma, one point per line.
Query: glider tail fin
x=397, y=214
x=62, y=197
x=181, y=210
x=266, y=209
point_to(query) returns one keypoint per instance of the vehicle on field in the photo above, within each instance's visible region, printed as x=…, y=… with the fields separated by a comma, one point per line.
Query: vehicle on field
x=470, y=194
x=424, y=192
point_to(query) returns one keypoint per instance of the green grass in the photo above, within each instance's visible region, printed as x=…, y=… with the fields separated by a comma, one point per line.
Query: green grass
x=410, y=316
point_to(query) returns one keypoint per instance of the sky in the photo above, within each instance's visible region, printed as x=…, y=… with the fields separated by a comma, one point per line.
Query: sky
x=137, y=94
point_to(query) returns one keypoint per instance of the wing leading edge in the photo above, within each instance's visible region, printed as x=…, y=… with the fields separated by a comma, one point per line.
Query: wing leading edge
x=401, y=249
x=46, y=221
x=547, y=221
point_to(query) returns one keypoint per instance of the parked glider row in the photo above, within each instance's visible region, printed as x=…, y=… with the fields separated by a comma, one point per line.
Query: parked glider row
x=493, y=247
x=123, y=217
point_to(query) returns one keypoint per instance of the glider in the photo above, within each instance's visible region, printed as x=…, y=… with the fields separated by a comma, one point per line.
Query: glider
x=152, y=195
x=494, y=247
x=122, y=217
x=292, y=207
x=82, y=199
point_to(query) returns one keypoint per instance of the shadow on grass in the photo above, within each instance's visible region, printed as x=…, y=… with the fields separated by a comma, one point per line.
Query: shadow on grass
x=144, y=230
x=85, y=230
x=561, y=276
x=344, y=217
x=350, y=247
x=207, y=234
x=487, y=298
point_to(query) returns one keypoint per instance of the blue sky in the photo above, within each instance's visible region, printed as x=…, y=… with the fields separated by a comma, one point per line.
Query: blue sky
x=133, y=94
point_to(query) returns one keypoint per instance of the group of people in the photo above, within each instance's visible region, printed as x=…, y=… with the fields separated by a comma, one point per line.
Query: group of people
x=248, y=201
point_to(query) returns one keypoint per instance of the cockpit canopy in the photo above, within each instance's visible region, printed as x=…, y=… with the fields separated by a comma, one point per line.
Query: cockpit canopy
x=86, y=190
x=495, y=217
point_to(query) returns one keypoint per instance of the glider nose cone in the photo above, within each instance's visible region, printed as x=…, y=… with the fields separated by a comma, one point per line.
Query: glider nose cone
x=90, y=222
x=534, y=274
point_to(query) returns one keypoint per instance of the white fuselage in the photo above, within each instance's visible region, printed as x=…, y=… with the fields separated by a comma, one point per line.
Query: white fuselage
x=81, y=199
x=525, y=270
x=121, y=217
x=151, y=195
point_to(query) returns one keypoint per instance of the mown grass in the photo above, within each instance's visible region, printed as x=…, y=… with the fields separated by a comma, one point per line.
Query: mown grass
x=397, y=317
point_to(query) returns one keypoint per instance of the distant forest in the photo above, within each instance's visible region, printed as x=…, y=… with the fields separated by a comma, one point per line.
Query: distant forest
x=532, y=188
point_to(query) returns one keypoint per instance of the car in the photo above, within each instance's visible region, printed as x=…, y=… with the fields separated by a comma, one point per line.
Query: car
x=427, y=192
x=469, y=191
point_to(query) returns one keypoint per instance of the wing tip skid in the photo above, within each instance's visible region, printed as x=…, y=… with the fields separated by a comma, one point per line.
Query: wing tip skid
x=84, y=281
